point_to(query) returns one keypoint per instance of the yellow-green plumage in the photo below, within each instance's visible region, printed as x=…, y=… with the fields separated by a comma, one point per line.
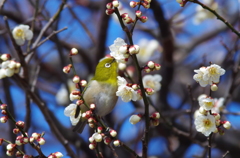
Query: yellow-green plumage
x=101, y=90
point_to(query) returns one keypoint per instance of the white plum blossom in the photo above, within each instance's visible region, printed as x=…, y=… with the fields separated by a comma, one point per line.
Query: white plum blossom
x=126, y=92
x=207, y=103
x=21, y=33
x=213, y=73
x=203, y=14
x=70, y=111
x=199, y=77
x=8, y=68
x=206, y=124
x=119, y=50
x=152, y=81
x=148, y=48
x=208, y=75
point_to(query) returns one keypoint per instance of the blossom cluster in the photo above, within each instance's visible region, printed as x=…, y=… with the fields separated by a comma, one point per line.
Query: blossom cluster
x=154, y=119
x=22, y=139
x=112, y=6
x=8, y=67
x=209, y=75
x=207, y=117
x=107, y=137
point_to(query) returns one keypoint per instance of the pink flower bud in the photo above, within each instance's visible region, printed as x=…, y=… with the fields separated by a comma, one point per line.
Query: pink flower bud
x=5, y=57
x=19, y=140
x=109, y=5
x=66, y=69
x=151, y=64
x=11, y=147
x=3, y=119
x=143, y=19
x=16, y=130
x=110, y=11
x=147, y=69
x=135, y=119
x=107, y=140
x=138, y=13
x=9, y=153
x=88, y=113
x=4, y=112
x=41, y=141
x=73, y=51
x=83, y=83
x=149, y=91
x=146, y=5
x=157, y=66
x=115, y=3
x=36, y=135
x=18, y=154
x=125, y=15
x=92, y=120
x=20, y=124
x=128, y=20
x=133, y=4
x=116, y=143
x=79, y=102
x=227, y=124
x=113, y=133
x=76, y=79
x=99, y=129
x=155, y=115
x=3, y=106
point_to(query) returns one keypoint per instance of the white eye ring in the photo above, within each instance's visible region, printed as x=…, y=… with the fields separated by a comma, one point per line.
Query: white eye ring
x=107, y=65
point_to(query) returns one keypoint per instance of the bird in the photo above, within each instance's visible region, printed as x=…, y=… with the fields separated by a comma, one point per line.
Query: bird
x=101, y=91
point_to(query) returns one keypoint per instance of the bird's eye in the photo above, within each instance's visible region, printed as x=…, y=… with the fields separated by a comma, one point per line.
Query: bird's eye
x=107, y=65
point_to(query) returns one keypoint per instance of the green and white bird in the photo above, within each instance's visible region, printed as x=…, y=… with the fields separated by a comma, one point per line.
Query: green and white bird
x=101, y=91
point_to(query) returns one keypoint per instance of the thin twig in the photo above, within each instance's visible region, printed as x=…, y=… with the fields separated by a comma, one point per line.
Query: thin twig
x=218, y=16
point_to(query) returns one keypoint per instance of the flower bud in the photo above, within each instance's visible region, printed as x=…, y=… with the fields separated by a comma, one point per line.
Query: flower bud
x=27, y=156
x=122, y=66
x=143, y=19
x=146, y=5
x=58, y=154
x=155, y=115
x=41, y=141
x=138, y=13
x=182, y=2
x=5, y=57
x=11, y=147
x=214, y=87
x=76, y=79
x=133, y=4
x=154, y=122
x=31, y=139
x=92, y=106
x=216, y=116
x=97, y=137
x=83, y=83
x=4, y=112
x=157, y=66
x=74, y=51
x=109, y=11
x=91, y=140
x=25, y=140
x=221, y=131
x=18, y=65
x=92, y=120
x=116, y=143
x=149, y=91
x=19, y=140
x=107, y=140
x=135, y=119
x=115, y=3
x=88, y=113
x=18, y=154
x=36, y=135
x=99, y=129
x=3, y=106
x=134, y=49
x=147, y=69
x=113, y=133
x=151, y=64
x=16, y=130
x=75, y=95
x=227, y=124
x=66, y=69
x=149, y=1
x=109, y=5
x=92, y=146
x=123, y=49
x=91, y=125
x=9, y=153
x=3, y=119
x=79, y=102
x=135, y=86
x=20, y=124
